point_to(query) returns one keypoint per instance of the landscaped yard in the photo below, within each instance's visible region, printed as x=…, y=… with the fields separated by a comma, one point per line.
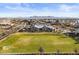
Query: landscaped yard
x=31, y=42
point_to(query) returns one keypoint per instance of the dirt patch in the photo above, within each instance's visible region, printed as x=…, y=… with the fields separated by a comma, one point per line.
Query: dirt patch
x=6, y=47
x=59, y=43
x=22, y=42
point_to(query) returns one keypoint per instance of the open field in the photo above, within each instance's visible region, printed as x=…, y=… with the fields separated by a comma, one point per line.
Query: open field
x=31, y=42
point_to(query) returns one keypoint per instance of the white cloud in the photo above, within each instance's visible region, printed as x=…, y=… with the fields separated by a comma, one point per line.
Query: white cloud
x=68, y=8
x=9, y=7
x=63, y=11
x=41, y=13
x=20, y=6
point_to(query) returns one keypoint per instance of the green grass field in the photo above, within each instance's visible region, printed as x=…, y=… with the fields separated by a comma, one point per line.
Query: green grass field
x=31, y=42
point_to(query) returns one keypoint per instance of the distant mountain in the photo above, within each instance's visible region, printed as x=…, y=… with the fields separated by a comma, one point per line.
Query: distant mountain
x=50, y=17
x=39, y=17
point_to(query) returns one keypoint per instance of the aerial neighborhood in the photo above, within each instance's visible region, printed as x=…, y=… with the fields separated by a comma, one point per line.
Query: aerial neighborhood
x=39, y=28
x=41, y=24
x=56, y=26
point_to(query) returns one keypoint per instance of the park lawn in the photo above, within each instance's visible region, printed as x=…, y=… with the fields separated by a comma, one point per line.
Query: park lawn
x=31, y=42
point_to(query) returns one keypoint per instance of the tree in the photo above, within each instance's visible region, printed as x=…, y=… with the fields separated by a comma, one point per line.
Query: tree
x=76, y=51
x=41, y=50
x=58, y=51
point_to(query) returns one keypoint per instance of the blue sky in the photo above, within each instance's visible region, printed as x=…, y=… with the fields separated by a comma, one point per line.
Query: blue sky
x=39, y=9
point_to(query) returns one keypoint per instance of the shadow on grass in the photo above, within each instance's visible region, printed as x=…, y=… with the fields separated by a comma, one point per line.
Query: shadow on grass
x=74, y=37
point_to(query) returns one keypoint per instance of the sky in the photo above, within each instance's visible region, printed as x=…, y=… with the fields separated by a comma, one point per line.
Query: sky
x=39, y=9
